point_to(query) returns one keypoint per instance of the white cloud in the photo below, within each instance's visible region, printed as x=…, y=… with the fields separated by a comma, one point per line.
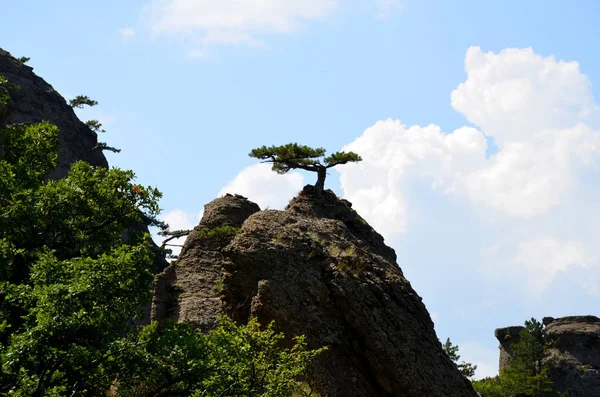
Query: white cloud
x=204, y=24
x=517, y=93
x=545, y=258
x=265, y=187
x=541, y=113
x=208, y=22
x=178, y=220
x=127, y=33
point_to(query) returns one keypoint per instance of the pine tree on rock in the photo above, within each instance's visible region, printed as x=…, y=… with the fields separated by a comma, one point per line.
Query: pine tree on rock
x=294, y=156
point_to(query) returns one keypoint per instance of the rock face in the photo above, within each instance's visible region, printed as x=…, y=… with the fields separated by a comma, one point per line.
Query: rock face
x=316, y=269
x=574, y=357
x=36, y=101
x=577, y=352
x=507, y=336
x=190, y=289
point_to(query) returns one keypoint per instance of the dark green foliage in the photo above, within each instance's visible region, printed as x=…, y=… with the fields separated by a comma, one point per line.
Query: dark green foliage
x=24, y=59
x=68, y=284
x=69, y=287
x=95, y=125
x=294, y=156
x=528, y=371
x=466, y=369
x=82, y=100
x=104, y=146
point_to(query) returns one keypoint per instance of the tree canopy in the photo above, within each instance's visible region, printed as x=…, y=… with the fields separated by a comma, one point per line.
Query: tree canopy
x=466, y=369
x=293, y=156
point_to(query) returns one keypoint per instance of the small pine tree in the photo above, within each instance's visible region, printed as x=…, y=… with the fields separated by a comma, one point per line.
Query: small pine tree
x=466, y=369
x=82, y=100
x=24, y=59
x=294, y=156
x=104, y=146
x=95, y=125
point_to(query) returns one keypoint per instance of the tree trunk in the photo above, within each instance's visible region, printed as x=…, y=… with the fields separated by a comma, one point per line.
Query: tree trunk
x=320, y=185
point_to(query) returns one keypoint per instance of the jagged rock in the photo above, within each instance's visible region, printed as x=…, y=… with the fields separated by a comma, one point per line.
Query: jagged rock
x=507, y=336
x=36, y=101
x=577, y=355
x=574, y=356
x=315, y=269
x=189, y=289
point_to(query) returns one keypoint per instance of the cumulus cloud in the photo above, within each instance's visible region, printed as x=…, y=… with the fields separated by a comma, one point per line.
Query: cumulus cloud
x=265, y=187
x=516, y=93
x=178, y=219
x=541, y=113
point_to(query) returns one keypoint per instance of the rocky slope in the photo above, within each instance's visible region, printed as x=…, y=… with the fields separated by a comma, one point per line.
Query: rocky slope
x=317, y=269
x=575, y=355
x=36, y=101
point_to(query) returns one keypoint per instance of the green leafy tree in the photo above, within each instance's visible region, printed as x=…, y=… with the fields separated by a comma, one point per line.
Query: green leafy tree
x=232, y=361
x=466, y=369
x=294, y=156
x=24, y=59
x=82, y=100
x=68, y=284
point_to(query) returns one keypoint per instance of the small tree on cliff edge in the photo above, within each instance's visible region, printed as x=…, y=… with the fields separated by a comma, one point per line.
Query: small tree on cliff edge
x=292, y=156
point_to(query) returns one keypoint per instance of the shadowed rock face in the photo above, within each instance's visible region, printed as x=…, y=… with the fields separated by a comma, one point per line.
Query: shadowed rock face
x=574, y=356
x=507, y=336
x=315, y=269
x=37, y=101
x=189, y=290
x=577, y=355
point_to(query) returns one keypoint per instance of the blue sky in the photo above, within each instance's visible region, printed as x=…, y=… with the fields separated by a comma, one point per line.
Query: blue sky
x=478, y=121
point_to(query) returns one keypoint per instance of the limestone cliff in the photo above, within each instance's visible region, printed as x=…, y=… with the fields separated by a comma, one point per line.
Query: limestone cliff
x=316, y=269
x=574, y=356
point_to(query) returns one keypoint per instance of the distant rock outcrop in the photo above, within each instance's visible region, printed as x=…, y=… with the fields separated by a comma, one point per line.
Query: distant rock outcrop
x=317, y=269
x=574, y=356
x=37, y=101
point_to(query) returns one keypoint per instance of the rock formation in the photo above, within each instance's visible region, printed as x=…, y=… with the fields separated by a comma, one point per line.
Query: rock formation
x=37, y=101
x=316, y=269
x=507, y=336
x=574, y=356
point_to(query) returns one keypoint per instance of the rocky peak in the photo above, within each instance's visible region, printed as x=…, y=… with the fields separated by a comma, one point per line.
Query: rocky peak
x=319, y=270
x=36, y=101
x=507, y=336
x=327, y=205
x=229, y=210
